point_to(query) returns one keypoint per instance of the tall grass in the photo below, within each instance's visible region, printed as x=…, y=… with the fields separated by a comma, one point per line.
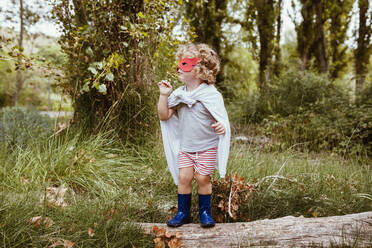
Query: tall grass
x=109, y=183
x=301, y=183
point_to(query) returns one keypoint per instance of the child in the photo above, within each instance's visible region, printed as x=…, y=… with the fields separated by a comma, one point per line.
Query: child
x=195, y=129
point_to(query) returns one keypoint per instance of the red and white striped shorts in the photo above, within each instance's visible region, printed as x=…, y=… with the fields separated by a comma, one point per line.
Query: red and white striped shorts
x=202, y=162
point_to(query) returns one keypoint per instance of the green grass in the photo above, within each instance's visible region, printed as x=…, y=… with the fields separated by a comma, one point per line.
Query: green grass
x=110, y=183
x=298, y=183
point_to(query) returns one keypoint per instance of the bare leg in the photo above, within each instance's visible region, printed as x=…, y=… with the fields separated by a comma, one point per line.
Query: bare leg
x=185, y=180
x=204, y=184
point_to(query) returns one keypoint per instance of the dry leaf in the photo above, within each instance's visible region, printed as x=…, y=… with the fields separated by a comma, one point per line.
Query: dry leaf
x=111, y=213
x=90, y=232
x=169, y=234
x=60, y=242
x=175, y=243
x=155, y=229
x=35, y=221
x=68, y=244
x=24, y=180
x=48, y=222
x=178, y=235
x=221, y=204
x=55, y=196
x=160, y=232
x=159, y=243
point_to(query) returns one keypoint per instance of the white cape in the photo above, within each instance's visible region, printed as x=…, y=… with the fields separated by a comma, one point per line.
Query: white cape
x=213, y=101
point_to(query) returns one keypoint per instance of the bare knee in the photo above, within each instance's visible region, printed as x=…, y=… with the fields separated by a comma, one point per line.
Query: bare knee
x=202, y=180
x=186, y=175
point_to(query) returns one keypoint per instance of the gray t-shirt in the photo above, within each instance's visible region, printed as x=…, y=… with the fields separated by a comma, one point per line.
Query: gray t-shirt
x=195, y=125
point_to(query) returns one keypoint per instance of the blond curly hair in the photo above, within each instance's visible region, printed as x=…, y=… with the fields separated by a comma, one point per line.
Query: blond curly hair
x=209, y=64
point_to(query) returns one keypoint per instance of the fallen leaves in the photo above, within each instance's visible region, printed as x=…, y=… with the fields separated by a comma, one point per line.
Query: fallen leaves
x=38, y=220
x=55, y=196
x=229, y=194
x=90, y=232
x=164, y=237
x=62, y=242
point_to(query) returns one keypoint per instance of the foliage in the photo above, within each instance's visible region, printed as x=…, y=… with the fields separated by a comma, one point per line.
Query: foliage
x=206, y=19
x=53, y=54
x=347, y=132
x=111, y=65
x=20, y=126
x=339, y=13
x=300, y=109
x=263, y=15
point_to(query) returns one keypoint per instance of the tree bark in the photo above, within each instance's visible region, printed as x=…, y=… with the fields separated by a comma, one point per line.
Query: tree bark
x=305, y=33
x=354, y=230
x=19, y=79
x=320, y=42
x=364, y=48
x=278, y=35
x=265, y=24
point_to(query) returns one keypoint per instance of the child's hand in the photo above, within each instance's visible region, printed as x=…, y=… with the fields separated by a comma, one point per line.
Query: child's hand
x=218, y=127
x=165, y=87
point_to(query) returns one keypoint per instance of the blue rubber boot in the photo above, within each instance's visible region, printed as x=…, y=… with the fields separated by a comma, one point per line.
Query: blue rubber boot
x=206, y=219
x=183, y=214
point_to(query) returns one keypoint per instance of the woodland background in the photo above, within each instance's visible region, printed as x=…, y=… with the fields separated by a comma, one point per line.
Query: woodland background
x=300, y=106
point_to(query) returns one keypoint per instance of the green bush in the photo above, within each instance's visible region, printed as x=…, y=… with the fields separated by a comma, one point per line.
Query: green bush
x=343, y=131
x=294, y=92
x=19, y=126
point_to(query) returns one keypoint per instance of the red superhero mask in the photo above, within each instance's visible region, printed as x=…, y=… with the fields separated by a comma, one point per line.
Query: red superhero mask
x=187, y=64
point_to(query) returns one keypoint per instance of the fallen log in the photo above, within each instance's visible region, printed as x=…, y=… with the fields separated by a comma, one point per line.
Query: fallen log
x=354, y=230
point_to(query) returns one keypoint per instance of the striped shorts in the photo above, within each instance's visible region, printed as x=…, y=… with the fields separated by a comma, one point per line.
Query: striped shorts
x=202, y=162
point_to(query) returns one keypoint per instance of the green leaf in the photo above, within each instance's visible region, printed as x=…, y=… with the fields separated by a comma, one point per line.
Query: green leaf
x=93, y=70
x=102, y=88
x=125, y=44
x=86, y=87
x=100, y=65
x=140, y=14
x=110, y=77
x=89, y=51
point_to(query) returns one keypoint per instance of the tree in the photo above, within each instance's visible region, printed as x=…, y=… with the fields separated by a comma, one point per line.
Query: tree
x=311, y=40
x=320, y=41
x=364, y=48
x=339, y=13
x=112, y=50
x=206, y=19
x=277, y=51
x=26, y=18
x=262, y=15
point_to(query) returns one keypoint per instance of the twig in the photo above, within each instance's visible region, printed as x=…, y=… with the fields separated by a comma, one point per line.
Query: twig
x=230, y=196
x=277, y=174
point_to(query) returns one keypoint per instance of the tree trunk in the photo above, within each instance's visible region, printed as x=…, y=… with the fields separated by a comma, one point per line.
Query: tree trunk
x=354, y=230
x=364, y=48
x=19, y=79
x=265, y=24
x=305, y=33
x=278, y=35
x=320, y=42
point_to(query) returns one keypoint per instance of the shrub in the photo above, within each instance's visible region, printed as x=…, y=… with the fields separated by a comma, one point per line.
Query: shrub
x=19, y=126
x=294, y=92
x=343, y=131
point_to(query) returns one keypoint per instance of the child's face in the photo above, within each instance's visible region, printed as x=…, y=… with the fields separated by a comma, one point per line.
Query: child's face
x=185, y=69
